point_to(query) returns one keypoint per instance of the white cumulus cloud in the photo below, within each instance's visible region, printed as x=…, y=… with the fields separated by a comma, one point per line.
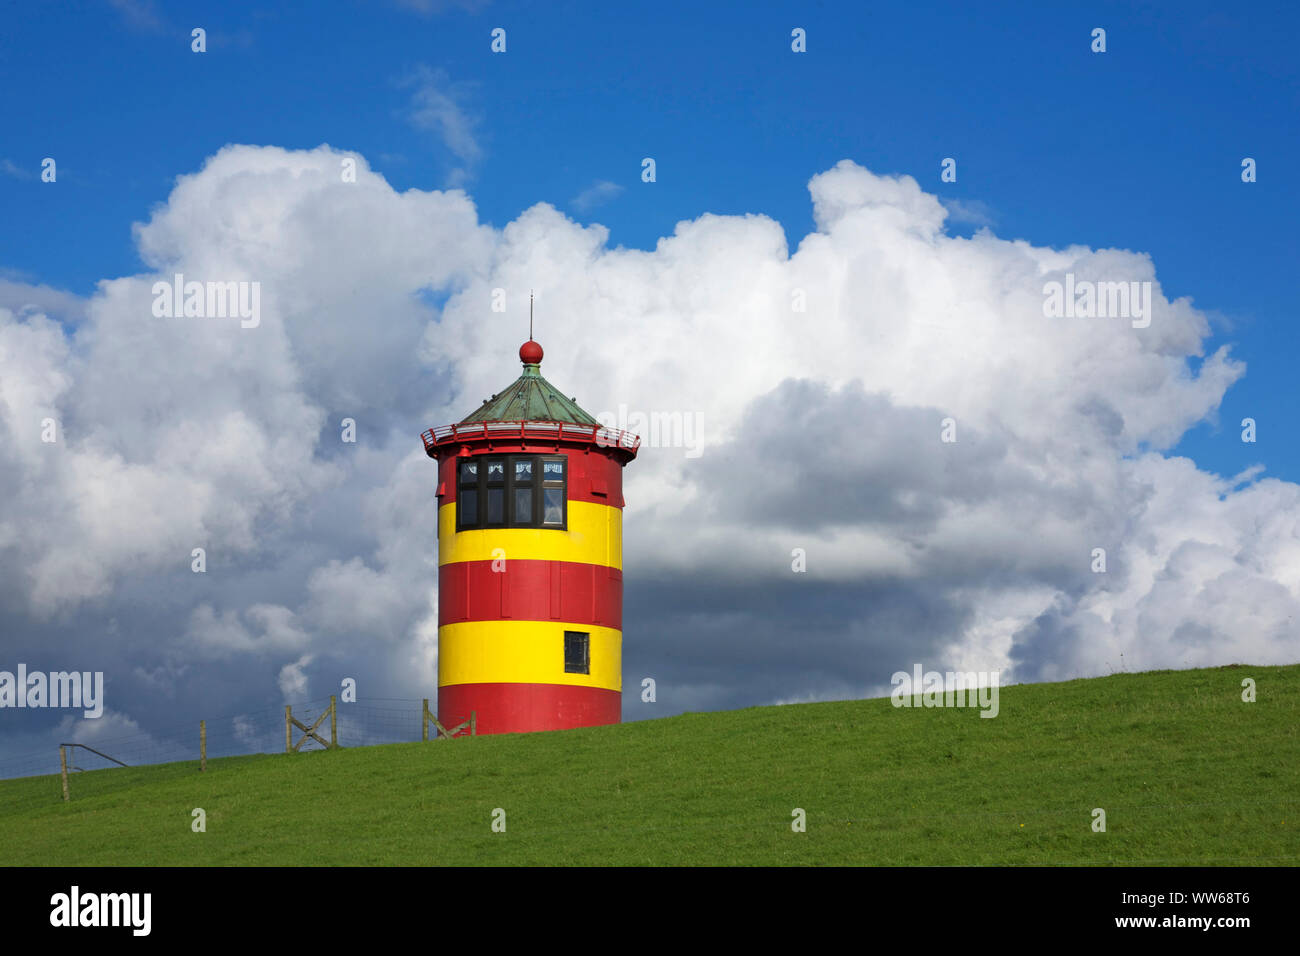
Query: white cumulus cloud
x=821, y=377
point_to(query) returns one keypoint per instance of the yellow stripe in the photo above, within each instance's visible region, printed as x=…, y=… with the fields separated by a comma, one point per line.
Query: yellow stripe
x=595, y=536
x=525, y=652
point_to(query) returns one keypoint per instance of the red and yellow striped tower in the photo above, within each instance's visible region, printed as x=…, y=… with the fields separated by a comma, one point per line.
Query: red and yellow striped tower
x=530, y=561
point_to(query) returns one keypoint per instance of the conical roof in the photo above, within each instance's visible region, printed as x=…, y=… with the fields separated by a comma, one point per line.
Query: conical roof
x=530, y=398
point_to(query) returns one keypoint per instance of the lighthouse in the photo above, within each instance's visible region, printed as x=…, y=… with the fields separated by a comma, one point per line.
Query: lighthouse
x=530, y=561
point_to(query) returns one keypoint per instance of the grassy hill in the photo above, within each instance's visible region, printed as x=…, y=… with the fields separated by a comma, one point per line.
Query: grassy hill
x=1186, y=772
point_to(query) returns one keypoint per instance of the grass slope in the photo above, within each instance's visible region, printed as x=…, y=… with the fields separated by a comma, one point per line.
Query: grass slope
x=1186, y=772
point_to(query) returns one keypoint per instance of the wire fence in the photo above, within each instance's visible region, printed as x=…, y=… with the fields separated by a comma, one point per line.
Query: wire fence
x=382, y=720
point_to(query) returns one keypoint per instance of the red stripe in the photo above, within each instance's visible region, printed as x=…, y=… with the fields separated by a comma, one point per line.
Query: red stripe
x=521, y=708
x=530, y=591
x=590, y=473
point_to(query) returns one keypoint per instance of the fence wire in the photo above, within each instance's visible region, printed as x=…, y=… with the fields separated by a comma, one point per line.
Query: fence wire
x=384, y=720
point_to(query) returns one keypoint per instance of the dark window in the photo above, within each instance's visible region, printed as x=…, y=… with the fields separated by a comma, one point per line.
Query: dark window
x=496, y=492
x=496, y=506
x=523, y=505
x=517, y=491
x=554, y=507
x=468, y=505
x=467, y=496
x=577, y=652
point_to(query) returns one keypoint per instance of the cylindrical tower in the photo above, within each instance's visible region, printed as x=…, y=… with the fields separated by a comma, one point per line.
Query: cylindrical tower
x=530, y=561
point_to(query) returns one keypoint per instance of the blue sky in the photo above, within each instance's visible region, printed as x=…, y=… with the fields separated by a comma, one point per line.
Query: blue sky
x=377, y=308
x=1137, y=148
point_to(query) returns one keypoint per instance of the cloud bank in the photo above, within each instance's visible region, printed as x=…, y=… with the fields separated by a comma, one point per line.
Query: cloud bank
x=821, y=379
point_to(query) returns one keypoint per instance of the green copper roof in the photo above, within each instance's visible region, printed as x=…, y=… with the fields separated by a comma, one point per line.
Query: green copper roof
x=530, y=398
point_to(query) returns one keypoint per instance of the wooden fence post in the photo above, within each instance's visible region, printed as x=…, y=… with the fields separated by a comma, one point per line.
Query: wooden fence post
x=63, y=763
x=424, y=721
x=473, y=723
x=334, y=727
x=288, y=729
x=203, y=745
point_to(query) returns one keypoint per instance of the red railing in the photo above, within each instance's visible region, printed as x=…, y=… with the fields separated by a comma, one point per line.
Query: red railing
x=546, y=431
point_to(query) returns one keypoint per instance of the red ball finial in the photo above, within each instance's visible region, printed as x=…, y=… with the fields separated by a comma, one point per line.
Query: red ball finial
x=530, y=353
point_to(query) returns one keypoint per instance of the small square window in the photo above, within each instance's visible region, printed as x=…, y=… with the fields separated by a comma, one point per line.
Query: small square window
x=496, y=472
x=468, y=472
x=577, y=652
x=553, y=471
x=523, y=469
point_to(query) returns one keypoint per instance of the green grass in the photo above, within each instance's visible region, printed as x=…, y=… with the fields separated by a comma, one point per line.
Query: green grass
x=1186, y=772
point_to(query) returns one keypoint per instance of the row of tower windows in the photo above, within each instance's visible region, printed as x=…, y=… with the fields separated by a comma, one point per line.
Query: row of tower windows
x=512, y=491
